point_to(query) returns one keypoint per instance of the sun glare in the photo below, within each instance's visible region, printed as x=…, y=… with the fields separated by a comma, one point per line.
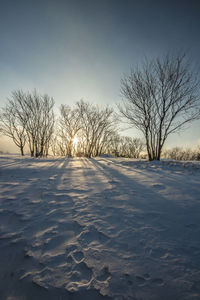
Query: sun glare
x=75, y=141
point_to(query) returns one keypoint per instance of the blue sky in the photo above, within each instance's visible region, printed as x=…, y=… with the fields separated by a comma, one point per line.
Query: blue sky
x=81, y=49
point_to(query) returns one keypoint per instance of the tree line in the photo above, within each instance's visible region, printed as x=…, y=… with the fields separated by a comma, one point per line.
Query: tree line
x=82, y=130
x=158, y=99
x=178, y=153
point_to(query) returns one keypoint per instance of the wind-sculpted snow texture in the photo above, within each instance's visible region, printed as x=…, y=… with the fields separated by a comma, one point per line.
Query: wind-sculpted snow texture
x=100, y=228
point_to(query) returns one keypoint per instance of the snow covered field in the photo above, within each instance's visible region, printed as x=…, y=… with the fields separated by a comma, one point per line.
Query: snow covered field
x=100, y=228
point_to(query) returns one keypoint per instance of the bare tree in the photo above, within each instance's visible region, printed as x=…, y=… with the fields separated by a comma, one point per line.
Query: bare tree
x=136, y=146
x=70, y=124
x=46, y=124
x=103, y=145
x=37, y=110
x=159, y=99
x=12, y=126
x=130, y=147
x=114, y=144
x=29, y=116
x=96, y=123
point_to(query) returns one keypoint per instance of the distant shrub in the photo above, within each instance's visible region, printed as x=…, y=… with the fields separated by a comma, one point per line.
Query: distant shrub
x=178, y=153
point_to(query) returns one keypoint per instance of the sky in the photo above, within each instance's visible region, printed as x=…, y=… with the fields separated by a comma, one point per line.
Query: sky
x=76, y=50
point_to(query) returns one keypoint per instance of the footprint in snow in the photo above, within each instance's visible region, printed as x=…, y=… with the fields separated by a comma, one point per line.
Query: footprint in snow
x=137, y=279
x=104, y=274
x=158, y=186
x=128, y=279
x=54, y=241
x=81, y=275
x=157, y=281
x=92, y=235
x=78, y=256
x=69, y=259
x=140, y=280
x=84, y=270
x=70, y=248
x=191, y=226
x=158, y=252
x=147, y=276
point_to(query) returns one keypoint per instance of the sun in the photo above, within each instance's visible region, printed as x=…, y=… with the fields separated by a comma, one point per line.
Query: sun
x=75, y=141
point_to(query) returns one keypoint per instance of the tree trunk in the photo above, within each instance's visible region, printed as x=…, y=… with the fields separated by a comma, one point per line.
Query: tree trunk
x=42, y=150
x=70, y=148
x=148, y=150
x=36, y=150
x=22, y=150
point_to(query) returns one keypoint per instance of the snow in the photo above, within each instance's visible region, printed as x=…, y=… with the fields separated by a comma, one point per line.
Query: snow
x=100, y=228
